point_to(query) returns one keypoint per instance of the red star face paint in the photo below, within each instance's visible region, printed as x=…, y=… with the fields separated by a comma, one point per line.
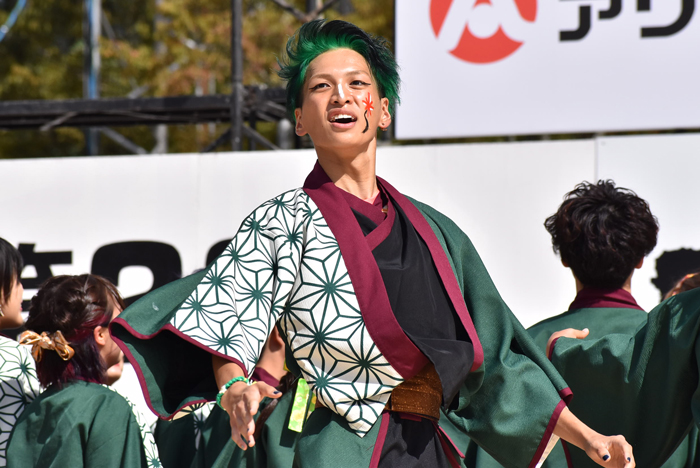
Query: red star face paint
x=369, y=107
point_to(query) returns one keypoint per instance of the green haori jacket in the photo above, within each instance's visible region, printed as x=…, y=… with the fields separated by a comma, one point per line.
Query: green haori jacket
x=645, y=382
x=603, y=312
x=84, y=424
x=294, y=263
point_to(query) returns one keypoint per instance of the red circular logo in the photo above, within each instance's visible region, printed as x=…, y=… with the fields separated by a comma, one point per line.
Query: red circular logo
x=474, y=49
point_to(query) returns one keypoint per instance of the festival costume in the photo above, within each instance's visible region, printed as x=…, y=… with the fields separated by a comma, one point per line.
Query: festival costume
x=643, y=384
x=332, y=277
x=18, y=387
x=603, y=312
x=200, y=436
x=83, y=424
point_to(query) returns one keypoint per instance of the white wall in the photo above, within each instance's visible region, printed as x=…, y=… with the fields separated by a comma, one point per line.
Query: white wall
x=499, y=194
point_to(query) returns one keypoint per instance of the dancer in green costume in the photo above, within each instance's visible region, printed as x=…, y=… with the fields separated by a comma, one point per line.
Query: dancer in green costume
x=602, y=234
x=647, y=382
x=385, y=306
x=619, y=232
x=77, y=421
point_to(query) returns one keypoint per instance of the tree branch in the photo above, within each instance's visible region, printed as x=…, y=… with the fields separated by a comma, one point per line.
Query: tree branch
x=316, y=13
x=291, y=9
x=300, y=15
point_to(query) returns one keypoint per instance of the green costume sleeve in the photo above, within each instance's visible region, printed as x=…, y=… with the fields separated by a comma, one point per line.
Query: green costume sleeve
x=82, y=425
x=274, y=449
x=643, y=386
x=510, y=405
x=170, y=380
x=176, y=440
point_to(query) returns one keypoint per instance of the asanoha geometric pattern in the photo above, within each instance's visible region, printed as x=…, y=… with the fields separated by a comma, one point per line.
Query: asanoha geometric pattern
x=200, y=412
x=284, y=264
x=149, y=443
x=18, y=387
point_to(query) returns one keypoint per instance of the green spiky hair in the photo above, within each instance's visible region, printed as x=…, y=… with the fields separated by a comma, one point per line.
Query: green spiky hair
x=319, y=36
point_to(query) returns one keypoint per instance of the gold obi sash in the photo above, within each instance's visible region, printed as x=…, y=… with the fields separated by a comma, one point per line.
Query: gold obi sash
x=420, y=395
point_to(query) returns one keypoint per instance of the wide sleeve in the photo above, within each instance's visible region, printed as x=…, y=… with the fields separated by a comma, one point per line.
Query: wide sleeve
x=226, y=310
x=511, y=403
x=643, y=385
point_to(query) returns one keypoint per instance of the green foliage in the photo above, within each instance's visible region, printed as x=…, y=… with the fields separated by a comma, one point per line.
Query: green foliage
x=161, y=47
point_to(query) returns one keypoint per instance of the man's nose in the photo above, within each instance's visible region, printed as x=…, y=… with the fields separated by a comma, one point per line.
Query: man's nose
x=341, y=95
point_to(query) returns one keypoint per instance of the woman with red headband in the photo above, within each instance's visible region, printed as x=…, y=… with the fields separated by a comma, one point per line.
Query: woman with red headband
x=77, y=421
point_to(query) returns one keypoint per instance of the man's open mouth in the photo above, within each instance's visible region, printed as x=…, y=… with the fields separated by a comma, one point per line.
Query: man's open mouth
x=343, y=118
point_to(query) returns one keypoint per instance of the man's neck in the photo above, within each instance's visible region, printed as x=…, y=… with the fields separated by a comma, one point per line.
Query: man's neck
x=627, y=286
x=353, y=173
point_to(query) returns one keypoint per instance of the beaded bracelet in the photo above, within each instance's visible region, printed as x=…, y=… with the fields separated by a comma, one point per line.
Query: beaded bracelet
x=226, y=387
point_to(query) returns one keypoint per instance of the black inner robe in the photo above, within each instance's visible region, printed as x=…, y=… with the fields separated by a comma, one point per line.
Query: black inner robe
x=425, y=313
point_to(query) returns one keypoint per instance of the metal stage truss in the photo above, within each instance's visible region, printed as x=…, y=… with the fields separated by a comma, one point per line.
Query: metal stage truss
x=245, y=103
x=258, y=104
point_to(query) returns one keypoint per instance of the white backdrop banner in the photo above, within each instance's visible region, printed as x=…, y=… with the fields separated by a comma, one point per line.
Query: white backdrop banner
x=144, y=221
x=662, y=169
x=503, y=67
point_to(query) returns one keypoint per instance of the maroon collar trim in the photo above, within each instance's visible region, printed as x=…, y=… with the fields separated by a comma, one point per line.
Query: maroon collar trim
x=594, y=298
x=374, y=212
x=382, y=231
x=371, y=210
x=365, y=276
x=442, y=264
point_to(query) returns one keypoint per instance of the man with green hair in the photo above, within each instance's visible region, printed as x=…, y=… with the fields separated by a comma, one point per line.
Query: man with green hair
x=385, y=307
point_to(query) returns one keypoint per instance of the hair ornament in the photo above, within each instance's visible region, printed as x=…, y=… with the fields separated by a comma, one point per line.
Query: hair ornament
x=678, y=288
x=51, y=341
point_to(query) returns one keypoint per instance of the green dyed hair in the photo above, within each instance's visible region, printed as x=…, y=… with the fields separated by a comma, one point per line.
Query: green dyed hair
x=319, y=36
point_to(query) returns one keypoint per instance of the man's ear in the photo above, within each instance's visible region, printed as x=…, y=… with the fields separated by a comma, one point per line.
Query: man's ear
x=385, y=119
x=639, y=265
x=563, y=262
x=100, y=334
x=299, y=126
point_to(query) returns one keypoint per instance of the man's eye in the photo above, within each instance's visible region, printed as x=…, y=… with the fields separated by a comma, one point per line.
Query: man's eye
x=359, y=83
x=319, y=86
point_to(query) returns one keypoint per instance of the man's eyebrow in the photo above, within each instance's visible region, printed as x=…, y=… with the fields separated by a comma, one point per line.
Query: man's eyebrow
x=327, y=75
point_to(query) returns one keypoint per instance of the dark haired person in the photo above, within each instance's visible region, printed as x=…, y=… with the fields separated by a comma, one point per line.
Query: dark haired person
x=385, y=307
x=603, y=233
x=77, y=421
x=18, y=381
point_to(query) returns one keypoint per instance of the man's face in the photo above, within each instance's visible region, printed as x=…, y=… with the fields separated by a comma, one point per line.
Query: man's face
x=341, y=107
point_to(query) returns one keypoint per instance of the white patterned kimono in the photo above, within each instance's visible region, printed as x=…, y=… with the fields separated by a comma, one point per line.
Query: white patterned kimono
x=18, y=387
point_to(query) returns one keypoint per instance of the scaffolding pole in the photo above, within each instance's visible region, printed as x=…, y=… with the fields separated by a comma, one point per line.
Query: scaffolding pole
x=92, y=22
x=236, y=74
